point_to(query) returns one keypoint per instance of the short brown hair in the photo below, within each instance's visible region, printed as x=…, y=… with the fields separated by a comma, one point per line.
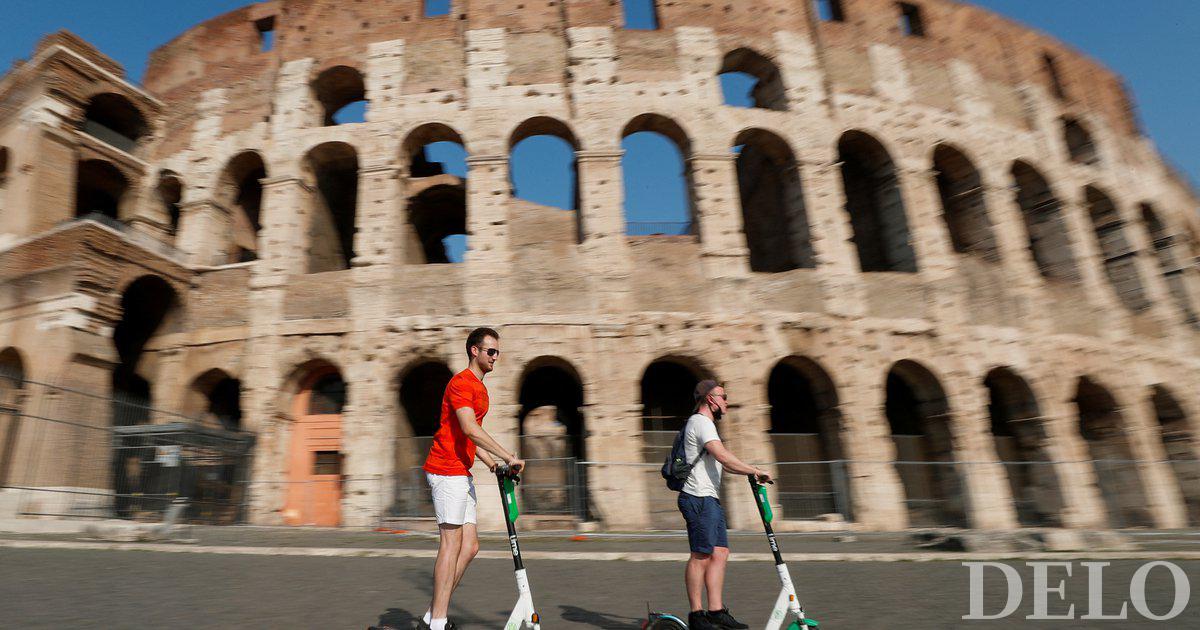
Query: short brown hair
x=478, y=335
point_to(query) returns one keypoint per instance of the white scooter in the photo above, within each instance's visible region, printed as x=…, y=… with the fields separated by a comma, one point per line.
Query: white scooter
x=523, y=616
x=787, y=613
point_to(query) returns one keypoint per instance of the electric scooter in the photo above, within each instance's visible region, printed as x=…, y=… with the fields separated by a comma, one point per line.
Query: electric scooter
x=523, y=616
x=787, y=606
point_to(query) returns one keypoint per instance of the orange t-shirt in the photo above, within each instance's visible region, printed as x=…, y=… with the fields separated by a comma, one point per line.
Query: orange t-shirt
x=452, y=452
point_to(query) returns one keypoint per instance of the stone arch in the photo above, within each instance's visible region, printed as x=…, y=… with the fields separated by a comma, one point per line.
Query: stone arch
x=315, y=458
x=875, y=205
x=239, y=189
x=115, y=120
x=1042, y=212
x=1118, y=255
x=337, y=87
x=1019, y=434
x=216, y=398
x=1080, y=146
x=667, y=384
x=421, y=387
x=918, y=413
x=963, y=206
x=12, y=398
x=553, y=145
x=1102, y=426
x=436, y=203
x=806, y=425
x=767, y=91
x=1180, y=446
x=1168, y=255
x=149, y=306
x=774, y=216
x=550, y=422
x=671, y=209
x=100, y=190
x=169, y=193
x=333, y=167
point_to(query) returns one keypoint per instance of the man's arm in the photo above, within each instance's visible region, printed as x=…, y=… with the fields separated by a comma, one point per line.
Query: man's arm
x=732, y=463
x=487, y=460
x=466, y=420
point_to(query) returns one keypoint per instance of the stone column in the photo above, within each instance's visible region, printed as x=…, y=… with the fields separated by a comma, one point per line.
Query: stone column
x=604, y=248
x=204, y=232
x=837, y=261
x=1012, y=241
x=1164, y=500
x=937, y=263
x=1083, y=507
x=723, y=248
x=488, y=258
x=368, y=461
x=1114, y=317
x=377, y=218
x=989, y=496
x=876, y=493
x=283, y=241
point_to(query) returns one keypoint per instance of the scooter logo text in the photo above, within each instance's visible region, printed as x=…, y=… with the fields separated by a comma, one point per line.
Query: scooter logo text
x=1052, y=601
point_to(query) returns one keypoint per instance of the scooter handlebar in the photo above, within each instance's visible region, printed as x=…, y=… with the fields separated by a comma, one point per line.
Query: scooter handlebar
x=504, y=471
x=754, y=480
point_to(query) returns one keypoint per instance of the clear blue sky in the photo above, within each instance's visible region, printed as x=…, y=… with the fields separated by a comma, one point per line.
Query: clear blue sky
x=1154, y=44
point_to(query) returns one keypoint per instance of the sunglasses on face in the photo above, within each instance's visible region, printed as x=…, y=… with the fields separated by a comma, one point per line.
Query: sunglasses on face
x=491, y=352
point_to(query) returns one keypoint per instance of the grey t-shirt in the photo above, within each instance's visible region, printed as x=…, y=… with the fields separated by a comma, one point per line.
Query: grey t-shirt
x=705, y=479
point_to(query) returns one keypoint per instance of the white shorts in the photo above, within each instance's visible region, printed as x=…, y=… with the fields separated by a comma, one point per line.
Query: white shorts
x=453, y=498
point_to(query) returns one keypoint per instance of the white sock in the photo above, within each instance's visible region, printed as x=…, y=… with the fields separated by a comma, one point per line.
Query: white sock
x=427, y=618
x=437, y=624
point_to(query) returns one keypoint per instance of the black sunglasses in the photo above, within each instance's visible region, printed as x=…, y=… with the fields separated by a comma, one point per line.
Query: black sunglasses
x=491, y=352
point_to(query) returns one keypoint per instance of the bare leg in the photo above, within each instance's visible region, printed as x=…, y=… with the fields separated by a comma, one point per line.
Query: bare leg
x=714, y=577
x=693, y=577
x=444, y=569
x=466, y=552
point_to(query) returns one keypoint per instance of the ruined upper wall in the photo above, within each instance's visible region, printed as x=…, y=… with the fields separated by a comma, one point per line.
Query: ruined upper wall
x=225, y=52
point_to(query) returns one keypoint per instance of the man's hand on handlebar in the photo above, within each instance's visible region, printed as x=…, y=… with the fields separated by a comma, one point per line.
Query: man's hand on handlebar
x=515, y=465
x=762, y=476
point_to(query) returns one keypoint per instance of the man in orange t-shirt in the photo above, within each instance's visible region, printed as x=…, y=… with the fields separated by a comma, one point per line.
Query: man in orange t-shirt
x=448, y=469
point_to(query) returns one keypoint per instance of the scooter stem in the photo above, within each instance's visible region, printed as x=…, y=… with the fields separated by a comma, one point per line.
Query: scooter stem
x=787, y=605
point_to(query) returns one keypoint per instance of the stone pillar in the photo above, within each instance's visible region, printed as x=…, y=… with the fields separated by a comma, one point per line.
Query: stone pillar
x=837, y=261
x=989, y=496
x=204, y=232
x=283, y=241
x=1012, y=241
x=617, y=479
x=1114, y=317
x=376, y=240
x=1083, y=508
x=1164, y=500
x=604, y=248
x=876, y=493
x=723, y=248
x=488, y=258
x=368, y=462
x=937, y=263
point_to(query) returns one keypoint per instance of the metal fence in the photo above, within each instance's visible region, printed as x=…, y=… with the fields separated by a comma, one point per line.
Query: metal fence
x=72, y=453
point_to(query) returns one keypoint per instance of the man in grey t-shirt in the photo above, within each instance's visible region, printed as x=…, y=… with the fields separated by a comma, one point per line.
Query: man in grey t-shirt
x=700, y=504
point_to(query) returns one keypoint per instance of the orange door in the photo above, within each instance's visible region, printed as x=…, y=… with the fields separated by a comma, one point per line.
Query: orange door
x=314, y=495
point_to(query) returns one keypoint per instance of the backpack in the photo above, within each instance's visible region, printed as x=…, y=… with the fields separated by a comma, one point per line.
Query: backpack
x=676, y=468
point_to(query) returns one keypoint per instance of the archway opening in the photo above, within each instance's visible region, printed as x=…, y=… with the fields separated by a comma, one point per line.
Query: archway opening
x=334, y=168
x=657, y=178
x=963, y=207
x=1042, y=212
x=748, y=79
x=1180, y=446
x=919, y=416
x=99, y=190
x=113, y=119
x=543, y=172
x=421, y=392
x=552, y=433
x=149, y=306
x=1103, y=429
x=875, y=206
x=1020, y=438
x=1168, y=253
x=170, y=193
x=805, y=430
x=240, y=189
x=316, y=461
x=1080, y=146
x=774, y=217
x=342, y=94
x=12, y=394
x=1120, y=258
x=436, y=207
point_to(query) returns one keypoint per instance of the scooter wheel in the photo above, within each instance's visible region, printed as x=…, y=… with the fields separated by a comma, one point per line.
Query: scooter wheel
x=664, y=623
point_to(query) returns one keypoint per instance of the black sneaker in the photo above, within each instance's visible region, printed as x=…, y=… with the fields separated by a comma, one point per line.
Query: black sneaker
x=700, y=620
x=723, y=619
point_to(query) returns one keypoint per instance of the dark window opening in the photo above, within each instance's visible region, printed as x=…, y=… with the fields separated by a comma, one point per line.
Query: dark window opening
x=334, y=167
x=749, y=79
x=343, y=95
x=328, y=396
x=327, y=463
x=3, y=166
x=241, y=190
x=114, y=120
x=774, y=217
x=266, y=33
x=1044, y=222
x=1102, y=426
x=912, y=23
x=551, y=426
x=1056, y=84
x=876, y=208
x=148, y=306
x=1119, y=257
x=1080, y=145
x=963, y=206
x=170, y=192
x=225, y=403
x=1020, y=438
x=641, y=15
x=99, y=189
x=919, y=416
x=437, y=202
x=830, y=11
x=436, y=8
x=1170, y=257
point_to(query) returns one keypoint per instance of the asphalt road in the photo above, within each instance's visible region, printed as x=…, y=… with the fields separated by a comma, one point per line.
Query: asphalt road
x=139, y=589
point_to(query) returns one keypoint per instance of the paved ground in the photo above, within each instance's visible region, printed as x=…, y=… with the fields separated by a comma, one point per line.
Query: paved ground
x=42, y=588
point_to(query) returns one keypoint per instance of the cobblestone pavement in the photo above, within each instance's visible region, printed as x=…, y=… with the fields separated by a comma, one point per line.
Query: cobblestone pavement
x=45, y=588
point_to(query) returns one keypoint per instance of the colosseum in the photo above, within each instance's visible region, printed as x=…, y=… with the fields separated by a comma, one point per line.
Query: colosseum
x=946, y=278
